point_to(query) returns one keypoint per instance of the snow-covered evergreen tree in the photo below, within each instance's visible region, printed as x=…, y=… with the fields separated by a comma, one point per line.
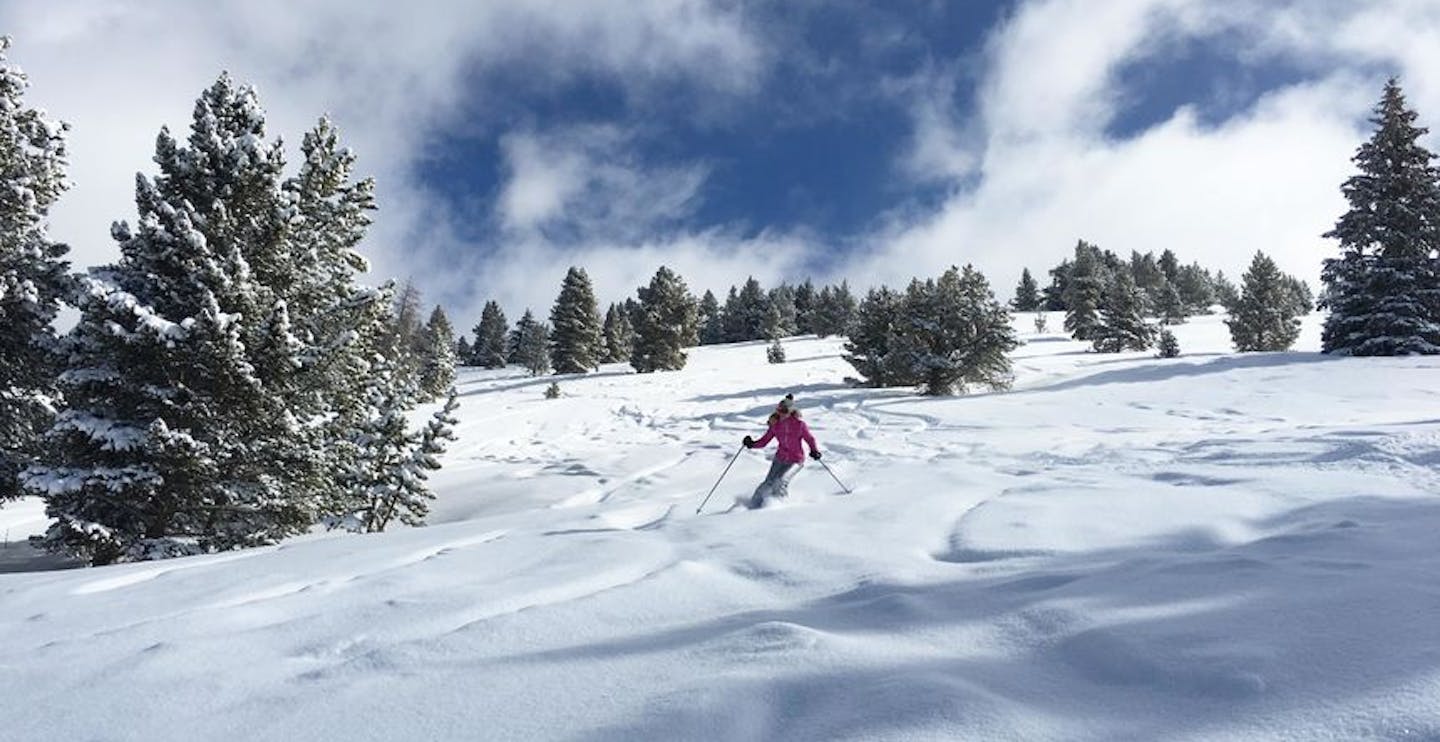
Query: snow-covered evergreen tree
x=463, y=351
x=33, y=275
x=668, y=318
x=1224, y=291
x=1054, y=295
x=1027, y=293
x=774, y=327
x=1265, y=317
x=1196, y=289
x=782, y=309
x=1171, y=307
x=712, y=320
x=835, y=310
x=183, y=430
x=407, y=338
x=1122, y=323
x=394, y=463
x=872, y=339
x=1170, y=266
x=745, y=319
x=775, y=352
x=1085, y=292
x=531, y=341
x=1149, y=278
x=492, y=338
x=1301, y=298
x=437, y=356
x=575, y=329
x=1384, y=290
x=1168, y=346
x=805, y=301
x=954, y=334
x=340, y=324
x=619, y=335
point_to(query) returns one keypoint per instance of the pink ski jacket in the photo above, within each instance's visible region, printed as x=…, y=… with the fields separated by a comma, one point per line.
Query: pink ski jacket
x=789, y=430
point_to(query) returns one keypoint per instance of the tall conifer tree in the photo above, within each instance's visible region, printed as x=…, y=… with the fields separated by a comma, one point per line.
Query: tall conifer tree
x=668, y=317
x=575, y=335
x=492, y=344
x=33, y=275
x=1265, y=317
x=1384, y=290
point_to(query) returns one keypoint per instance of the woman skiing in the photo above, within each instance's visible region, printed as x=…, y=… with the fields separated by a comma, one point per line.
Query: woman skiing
x=786, y=427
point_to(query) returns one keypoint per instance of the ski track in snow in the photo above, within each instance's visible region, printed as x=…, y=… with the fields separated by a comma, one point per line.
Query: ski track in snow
x=1122, y=547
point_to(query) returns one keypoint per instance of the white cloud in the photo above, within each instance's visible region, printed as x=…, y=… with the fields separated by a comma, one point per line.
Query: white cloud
x=1267, y=179
x=587, y=180
x=390, y=76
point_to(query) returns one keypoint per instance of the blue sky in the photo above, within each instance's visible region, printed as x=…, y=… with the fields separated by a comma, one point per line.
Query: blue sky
x=859, y=140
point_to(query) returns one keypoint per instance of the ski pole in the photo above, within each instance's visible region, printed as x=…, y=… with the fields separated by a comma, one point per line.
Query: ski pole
x=722, y=477
x=832, y=476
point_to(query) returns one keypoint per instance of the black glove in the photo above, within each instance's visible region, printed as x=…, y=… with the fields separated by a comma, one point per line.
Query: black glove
x=815, y=455
x=749, y=442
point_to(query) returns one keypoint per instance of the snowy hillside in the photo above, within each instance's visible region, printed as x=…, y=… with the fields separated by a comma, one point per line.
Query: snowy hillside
x=1123, y=547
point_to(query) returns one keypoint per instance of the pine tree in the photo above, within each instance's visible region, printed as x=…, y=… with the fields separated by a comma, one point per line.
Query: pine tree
x=835, y=310
x=517, y=336
x=407, y=339
x=1226, y=295
x=1122, y=326
x=619, y=335
x=1196, y=289
x=774, y=327
x=531, y=341
x=668, y=316
x=1086, y=285
x=1170, y=266
x=805, y=302
x=1384, y=290
x=1169, y=347
x=33, y=275
x=1171, y=307
x=746, y=321
x=493, y=348
x=395, y=462
x=712, y=320
x=731, y=318
x=872, y=338
x=463, y=351
x=782, y=309
x=1302, y=300
x=1053, y=296
x=1149, y=278
x=1265, y=318
x=437, y=356
x=341, y=325
x=1027, y=294
x=954, y=334
x=775, y=353
x=184, y=430
x=575, y=336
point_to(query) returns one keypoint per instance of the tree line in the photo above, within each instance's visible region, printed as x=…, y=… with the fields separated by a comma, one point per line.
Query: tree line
x=651, y=330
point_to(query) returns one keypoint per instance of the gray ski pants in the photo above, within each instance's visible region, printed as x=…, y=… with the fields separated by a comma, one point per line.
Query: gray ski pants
x=777, y=482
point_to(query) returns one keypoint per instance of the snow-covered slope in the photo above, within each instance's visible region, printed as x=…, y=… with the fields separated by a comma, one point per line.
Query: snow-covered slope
x=1123, y=547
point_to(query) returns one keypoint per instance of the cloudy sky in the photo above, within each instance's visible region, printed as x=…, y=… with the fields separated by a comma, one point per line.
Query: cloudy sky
x=868, y=140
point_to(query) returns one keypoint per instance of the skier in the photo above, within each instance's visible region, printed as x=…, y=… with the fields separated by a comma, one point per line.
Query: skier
x=786, y=427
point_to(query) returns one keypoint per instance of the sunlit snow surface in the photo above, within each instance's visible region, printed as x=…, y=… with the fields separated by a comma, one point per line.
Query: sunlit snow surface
x=1217, y=546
